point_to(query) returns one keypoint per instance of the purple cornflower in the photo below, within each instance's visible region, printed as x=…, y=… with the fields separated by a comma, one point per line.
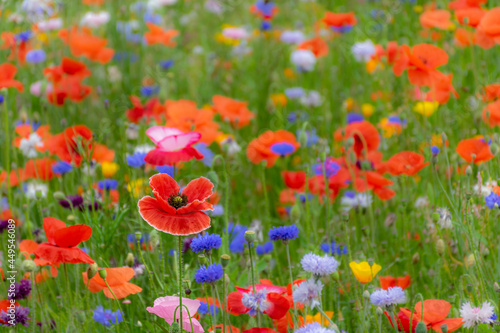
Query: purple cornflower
x=354, y=118
x=435, y=151
x=331, y=168
x=203, y=309
x=318, y=265
x=283, y=148
x=314, y=328
x=136, y=160
x=3, y=225
x=22, y=290
x=308, y=293
x=106, y=316
x=206, y=242
x=256, y=302
x=19, y=316
x=107, y=184
x=284, y=233
x=208, y=274
x=492, y=200
x=61, y=167
x=36, y=56
x=385, y=298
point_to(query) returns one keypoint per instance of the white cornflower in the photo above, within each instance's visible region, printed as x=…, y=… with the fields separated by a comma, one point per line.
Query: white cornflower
x=32, y=188
x=354, y=200
x=311, y=99
x=444, y=218
x=236, y=33
x=292, y=36
x=303, y=59
x=143, y=148
x=28, y=146
x=308, y=293
x=95, y=20
x=318, y=265
x=421, y=202
x=476, y=315
x=363, y=51
x=385, y=298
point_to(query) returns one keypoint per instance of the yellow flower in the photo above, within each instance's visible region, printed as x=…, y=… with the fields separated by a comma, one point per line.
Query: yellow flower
x=137, y=187
x=426, y=109
x=363, y=272
x=372, y=65
x=289, y=74
x=418, y=9
x=349, y=103
x=279, y=99
x=437, y=140
x=367, y=109
x=109, y=169
x=318, y=318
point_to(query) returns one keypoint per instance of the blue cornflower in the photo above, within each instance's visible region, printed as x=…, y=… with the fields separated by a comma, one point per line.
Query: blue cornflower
x=385, y=298
x=264, y=248
x=333, y=249
x=61, y=167
x=353, y=117
x=133, y=239
x=23, y=36
x=318, y=265
x=237, y=235
x=166, y=64
x=136, y=160
x=492, y=200
x=331, y=168
x=106, y=316
x=206, y=242
x=208, y=274
x=284, y=233
x=208, y=155
x=342, y=29
x=265, y=8
x=36, y=56
x=494, y=317
x=107, y=184
x=1, y=99
x=283, y=148
x=295, y=116
x=203, y=309
x=148, y=91
x=168, y=169
x=150, y=17
x=266, y=25
x=435, y=150
x=256, y=302
x=294, y=93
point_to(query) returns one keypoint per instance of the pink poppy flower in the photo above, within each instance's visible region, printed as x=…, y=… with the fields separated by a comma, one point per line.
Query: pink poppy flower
x=164, y=307
x=172, y=146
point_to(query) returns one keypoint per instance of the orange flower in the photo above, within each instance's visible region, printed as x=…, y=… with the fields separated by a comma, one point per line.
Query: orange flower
x=339, y=20
x=463, y=4
x=151, y=109
x=438, y=18
x=491, y=92
x=185, y=116
x=488, y=30
x=259, y=149
x=371, y=180
x=442, y=89
x=473, y=16
x=117, y=279
x=83, y=43
x=156, y=35
x=434, y=316
x=7, y=73
x=406, y=162
x=365, y=135
x=421, y=62
x=474, y=150
x=28, y=247
x=18, y=49
x=232, y=110
x=25, y=130
x=316, y=45
x=464, y=37
x=491, y=114
x=387, y=282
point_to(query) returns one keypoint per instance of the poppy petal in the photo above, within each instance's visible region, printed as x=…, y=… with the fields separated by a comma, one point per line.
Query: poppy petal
x=198, y=189
x=73, y=235
x=51, y=225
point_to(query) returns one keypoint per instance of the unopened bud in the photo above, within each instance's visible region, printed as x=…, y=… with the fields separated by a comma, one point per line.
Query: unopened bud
x=371, y=261
x=435, y=216
x=138, y=236
x=421, y=328
x=444, y=328
x=39, y=194
x=58, y=195
x=471, y=260
x=335, y=276
x=28, y=266
x=379, y=311
x=415, y=258
x=366, y=294
x=250, y=236
x=444, y=137
x=187, y=291
x=154, y=237
x=103, y=273
x=129, y=261
x=295, y=213
x=92, y=270
x=440, y=247
x=224, y=260
x=70, y=218
x=469, y=288
x=80, y=316
x=202, y=259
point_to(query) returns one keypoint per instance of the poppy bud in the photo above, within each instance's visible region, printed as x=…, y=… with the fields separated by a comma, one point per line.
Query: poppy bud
x=202, y=259
x=469, y=288
x=174, y=328
x=444, y=137
x=80, y=316
x=303, y=138
x=70, y=218
x=39, y=194
x=496, y=287
x=92, y=270
x=187, y=291
x=295, y=213
x=212, y=175
x=366, y=294
x=444, y=328
x=129, y=261
x=435, y=216
x=371, y=261
x=154, y=237
x=379, y=311
x=471, y=260
x=440, y=247
x=335, y=276
x=250, y=236
x=58, y=195
x=28, y=266
x=322, y=156
x=103, y=273
x=421, y=328
x=415, y=258
x=224, y=260
x=138, y=236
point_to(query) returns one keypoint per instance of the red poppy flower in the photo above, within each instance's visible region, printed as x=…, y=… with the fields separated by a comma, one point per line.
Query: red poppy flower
x=156, y=35
x=488, y=29
x=339, y=20
x=406, y=162
x=442, y=89
x=371, y=180
x=439, y=18
x=260, y=330
x=220, y=328
x=117, y=279
x=387, y=282
x=172, y=146
x=473, y=16
x=491, y=92
x=259, y=149
x=474, y=150
x=491, y=114
x=7, y=73
x=316, y=45
x=294, y=180
x=434, y=315
x=83, y=43
x=67, y=144
x=152, y=109
x=365, y=135
x=177, y=213
x=62, y=242
x=231, y=110
x=28, y=247
x=18, y=48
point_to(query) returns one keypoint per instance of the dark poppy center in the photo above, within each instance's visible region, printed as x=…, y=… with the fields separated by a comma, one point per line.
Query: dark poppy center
x=177, y=200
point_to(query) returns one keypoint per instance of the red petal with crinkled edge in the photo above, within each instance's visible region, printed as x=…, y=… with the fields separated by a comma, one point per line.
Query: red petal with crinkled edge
x=278, y=307
x=180, y=225
x=198, y=189
x=51, y=225
x=234, y=303
x=195, y=206
x=122, y=290
x=160, y=157
x=73, y=235
x=57, y=255
x=164, y=185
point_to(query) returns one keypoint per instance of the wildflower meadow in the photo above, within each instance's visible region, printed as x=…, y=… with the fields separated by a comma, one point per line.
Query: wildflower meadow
x=250, y=166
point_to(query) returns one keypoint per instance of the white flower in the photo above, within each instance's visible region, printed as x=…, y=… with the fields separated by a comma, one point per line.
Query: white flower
x=32, y=188
x=421, y=202
x=154, y=4
x=478, y=315
x=214, y=6
x=235, y=33
x=355, y=200
x=303, y=59
x=391, y=296
x=143, y=148
x=486, y=189
x=311, y=99
x=114, y=74
x=52, y=24
x=444, y=218
x=94, y=20
x=28, y=146
x=37, y=10
x=308, y=293
x=363, y=51
x=292, y=37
